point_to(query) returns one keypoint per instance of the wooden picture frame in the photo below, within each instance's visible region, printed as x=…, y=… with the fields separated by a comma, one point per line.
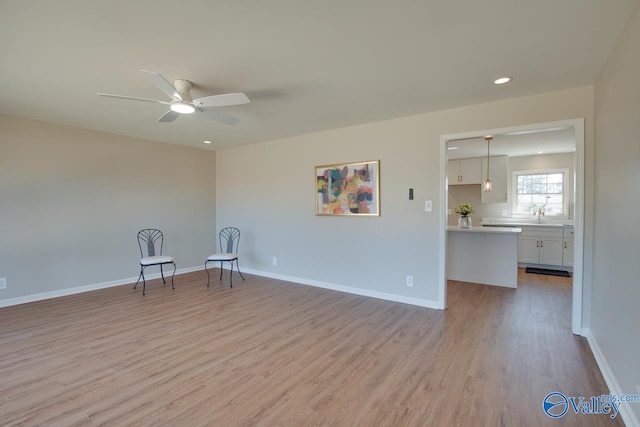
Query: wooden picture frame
x=348, y=189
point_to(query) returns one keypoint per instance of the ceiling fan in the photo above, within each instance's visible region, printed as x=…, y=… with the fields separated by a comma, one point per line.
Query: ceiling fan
x=182, y=103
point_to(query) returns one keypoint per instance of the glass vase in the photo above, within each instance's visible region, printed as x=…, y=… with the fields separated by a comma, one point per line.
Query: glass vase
x=464, y=222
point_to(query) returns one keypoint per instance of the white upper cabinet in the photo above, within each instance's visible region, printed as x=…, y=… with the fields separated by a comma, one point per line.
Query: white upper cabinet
x=464, y=172
x=499, y=175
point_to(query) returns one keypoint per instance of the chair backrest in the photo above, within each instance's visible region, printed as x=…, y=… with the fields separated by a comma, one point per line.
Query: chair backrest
x=229, y=240
x=150, y=241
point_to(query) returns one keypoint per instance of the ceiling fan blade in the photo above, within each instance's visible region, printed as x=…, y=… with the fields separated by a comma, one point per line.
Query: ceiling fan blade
x=222, y=100
x=169, y=116
x=133, y=98
x=219, y=117
x=162, y=84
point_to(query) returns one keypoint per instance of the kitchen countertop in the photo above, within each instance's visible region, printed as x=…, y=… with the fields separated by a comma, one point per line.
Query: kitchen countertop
x=522, y=224
x=518, y=222
x=487, y=230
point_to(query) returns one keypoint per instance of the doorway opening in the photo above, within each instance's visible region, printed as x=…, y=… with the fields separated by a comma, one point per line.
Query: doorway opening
x=518, y=142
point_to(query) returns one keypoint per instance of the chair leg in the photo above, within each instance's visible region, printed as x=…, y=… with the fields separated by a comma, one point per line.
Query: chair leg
x=174, y=273
x=238, y=268
x=162, y=273
x=205, y=269
x=139, y=276
x=144, y=282
x=221, y=264
x=231, y=275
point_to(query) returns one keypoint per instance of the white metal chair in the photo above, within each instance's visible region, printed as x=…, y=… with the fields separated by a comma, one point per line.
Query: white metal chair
x=229, y=240
x=149, y=241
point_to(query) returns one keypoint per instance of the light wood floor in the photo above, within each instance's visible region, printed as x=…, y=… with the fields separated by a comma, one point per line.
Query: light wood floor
x=268, y=352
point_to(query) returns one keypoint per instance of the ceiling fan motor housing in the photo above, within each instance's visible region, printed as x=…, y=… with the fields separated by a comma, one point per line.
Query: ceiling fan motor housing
x=183, y=87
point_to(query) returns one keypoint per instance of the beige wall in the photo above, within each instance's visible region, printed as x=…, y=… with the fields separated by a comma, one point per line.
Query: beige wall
x=73, y=201
x=471, y=194
x=268, y=190
x=616, y=274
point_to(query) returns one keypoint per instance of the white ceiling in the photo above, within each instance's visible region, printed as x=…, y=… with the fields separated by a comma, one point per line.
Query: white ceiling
x=542, y=141
x=307, y=66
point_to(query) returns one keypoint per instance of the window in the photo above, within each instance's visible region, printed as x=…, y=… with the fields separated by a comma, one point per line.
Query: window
x=540, y=190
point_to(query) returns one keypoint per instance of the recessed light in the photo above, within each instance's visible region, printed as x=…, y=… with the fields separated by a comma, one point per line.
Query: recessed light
x=207, y=142
x=540, y=152
x=502, y=80
x=452, y=148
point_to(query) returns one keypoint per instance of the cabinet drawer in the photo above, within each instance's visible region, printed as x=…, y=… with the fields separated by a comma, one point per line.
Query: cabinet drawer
x=553, y=232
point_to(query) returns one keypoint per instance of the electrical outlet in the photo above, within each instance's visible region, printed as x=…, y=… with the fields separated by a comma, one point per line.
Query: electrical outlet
x=3, y=283
x=275, y=260
x=410, y=281
x=449, y=212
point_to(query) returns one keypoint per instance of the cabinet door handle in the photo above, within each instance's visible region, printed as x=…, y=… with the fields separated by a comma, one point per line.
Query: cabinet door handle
x=537, y=243
x=565, y=245
x=541, y=243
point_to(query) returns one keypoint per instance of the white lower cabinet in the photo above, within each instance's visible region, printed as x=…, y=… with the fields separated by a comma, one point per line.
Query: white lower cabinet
x=541, y=245
x=567, y=247
x=551, y=251
x=529, y=249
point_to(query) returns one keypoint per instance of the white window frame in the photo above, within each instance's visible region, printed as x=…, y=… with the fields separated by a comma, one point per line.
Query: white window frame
x=565, y=184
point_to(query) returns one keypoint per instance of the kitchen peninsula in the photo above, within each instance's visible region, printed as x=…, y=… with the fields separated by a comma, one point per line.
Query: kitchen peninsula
x=486, y=255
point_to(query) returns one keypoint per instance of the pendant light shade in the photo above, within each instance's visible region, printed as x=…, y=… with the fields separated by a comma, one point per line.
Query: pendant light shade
x=488, y=185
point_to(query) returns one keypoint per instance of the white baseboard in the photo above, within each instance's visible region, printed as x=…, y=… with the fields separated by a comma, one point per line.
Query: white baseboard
x=319, y=284
x=80, y=289
x=348, y=289
x=626, y=412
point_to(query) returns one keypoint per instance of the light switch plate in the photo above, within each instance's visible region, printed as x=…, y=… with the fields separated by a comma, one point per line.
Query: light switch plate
x=428, y=206
x=3, y=283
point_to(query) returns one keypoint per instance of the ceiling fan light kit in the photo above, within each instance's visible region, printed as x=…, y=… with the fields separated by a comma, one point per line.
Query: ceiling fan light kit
x=182, y=102
x=182, y=108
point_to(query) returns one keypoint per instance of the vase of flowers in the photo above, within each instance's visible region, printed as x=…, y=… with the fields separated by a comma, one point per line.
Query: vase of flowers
x=464, y=210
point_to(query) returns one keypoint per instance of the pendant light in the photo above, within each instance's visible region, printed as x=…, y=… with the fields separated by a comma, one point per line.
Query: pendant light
x=488, y=185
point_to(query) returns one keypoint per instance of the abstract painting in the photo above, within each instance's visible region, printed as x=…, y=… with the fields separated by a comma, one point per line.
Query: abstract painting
x=348, y=189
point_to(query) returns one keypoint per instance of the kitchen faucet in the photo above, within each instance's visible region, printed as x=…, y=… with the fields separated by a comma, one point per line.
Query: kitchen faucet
x=539, y=213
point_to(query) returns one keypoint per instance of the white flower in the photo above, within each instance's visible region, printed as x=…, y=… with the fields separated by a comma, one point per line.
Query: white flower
x=464, y=209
